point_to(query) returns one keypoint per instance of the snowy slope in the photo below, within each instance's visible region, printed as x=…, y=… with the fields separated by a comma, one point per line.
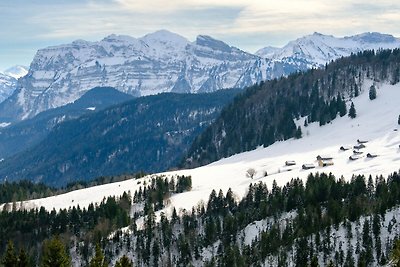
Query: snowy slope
x=375, y=122
x=17, y=71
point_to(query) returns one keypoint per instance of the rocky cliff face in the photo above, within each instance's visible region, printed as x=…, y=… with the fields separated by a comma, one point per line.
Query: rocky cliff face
x=155, y=63
x=166, y=62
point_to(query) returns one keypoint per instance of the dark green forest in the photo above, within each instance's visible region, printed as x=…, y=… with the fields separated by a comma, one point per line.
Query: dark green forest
x=318, y=206
x=149, y=134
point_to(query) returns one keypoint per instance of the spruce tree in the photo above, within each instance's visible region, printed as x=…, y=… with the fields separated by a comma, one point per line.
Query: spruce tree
x=98, y=260
x=124, y=261
x=341, y=106
x=356, y=91
x=352, y=111
x=9, y=258
x=298, y=133
x=395, y=257
x=23, y=259
x=372, y=92
x=54, y=254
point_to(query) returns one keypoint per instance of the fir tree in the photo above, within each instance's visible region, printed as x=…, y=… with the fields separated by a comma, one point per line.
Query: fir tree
x=9, y=258
x=395, y=257
x=306, y=122
x=298, y=133
x=98, y=260
x=356, y=91
x=54, y=254
x=23, y=259
x=341, y=106
x=124, y=261
x=352, y=111
x=372, y=92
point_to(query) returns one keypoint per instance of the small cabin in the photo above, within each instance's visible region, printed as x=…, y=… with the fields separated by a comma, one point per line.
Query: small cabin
x=360, y=146
x=307, y=166
x=290, y=162
x=319, y=157
x=370, y=155
x=362, y=141
x=344, y=148
x=325, y=163
x=354, y=157
x=357, y=152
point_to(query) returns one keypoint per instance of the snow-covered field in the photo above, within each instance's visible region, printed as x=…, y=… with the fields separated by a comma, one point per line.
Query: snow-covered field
x=376, y=122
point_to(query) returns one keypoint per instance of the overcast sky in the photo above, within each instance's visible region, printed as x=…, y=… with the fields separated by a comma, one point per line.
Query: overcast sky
x=27, y=25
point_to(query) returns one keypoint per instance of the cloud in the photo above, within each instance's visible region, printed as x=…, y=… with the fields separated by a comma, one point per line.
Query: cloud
x=248, y=24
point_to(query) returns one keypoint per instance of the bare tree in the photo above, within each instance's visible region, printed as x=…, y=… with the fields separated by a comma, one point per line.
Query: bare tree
x=251, y=172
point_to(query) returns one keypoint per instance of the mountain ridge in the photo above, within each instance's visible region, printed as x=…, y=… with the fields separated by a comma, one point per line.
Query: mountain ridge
x=167, y=62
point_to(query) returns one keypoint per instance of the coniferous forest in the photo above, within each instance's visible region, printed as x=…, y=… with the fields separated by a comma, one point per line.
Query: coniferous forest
x=325, y=220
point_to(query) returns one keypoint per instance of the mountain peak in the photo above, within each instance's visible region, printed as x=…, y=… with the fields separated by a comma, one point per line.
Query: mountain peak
x=164, y=37
x=208, y=41
x=114, y=38
x=374, y=37
x=16, y=71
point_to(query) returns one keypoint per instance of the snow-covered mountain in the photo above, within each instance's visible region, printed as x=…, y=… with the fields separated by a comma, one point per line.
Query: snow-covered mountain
x=317, y=49
x=166, y=62
x=158, y=62
x=17, y=71
x=7, y=86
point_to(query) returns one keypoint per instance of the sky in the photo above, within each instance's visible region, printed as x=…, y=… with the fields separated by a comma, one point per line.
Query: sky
x=28, y=25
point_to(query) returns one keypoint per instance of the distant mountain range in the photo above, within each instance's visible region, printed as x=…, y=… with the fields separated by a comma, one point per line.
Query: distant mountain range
x=7, y=86
x=17, y=71
x=8, y=80
x=166, y=62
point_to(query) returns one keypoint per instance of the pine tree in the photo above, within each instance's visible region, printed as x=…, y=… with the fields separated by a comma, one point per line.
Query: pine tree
x=54, y=254
x=9, y=258
x=341, y=106
x=98, y=260
x=352, y=111
x=124, y=261
x=395, y=257
x=356, y=92
x=298, y=133
x=372, y=92
x=23, y=259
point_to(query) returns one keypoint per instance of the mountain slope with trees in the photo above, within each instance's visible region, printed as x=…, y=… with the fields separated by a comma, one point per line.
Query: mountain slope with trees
x=18, y=137
x=264, y=113
x=146, y=134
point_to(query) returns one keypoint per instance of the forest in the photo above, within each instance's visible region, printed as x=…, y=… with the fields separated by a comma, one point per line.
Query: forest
x=299, y=217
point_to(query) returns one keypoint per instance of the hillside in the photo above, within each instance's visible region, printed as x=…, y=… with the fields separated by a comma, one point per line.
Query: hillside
x=264, y=113
x=272, y=219
x=146, y=134
x=19, y=137
x=376, y=122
